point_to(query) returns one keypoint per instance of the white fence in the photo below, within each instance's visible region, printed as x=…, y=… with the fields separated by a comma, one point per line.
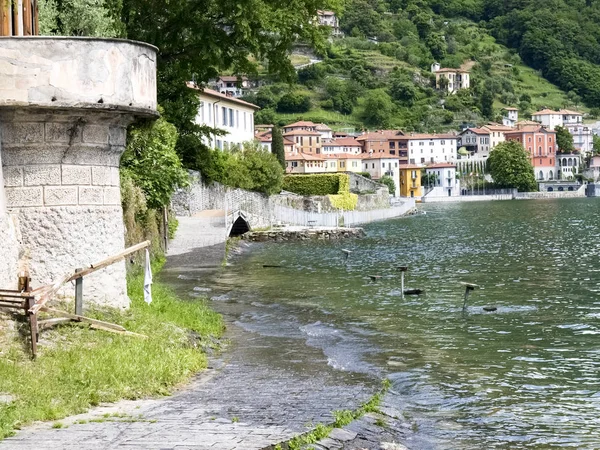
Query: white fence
x=343, y=218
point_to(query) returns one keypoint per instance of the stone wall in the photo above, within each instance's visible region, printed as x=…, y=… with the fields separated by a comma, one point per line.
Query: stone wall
x=360, y=184
x=547, y=195
x=65, y=104
x=8, y=242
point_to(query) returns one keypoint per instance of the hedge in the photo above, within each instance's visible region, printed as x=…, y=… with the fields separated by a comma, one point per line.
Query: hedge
x=345, y=201
x=317, y=184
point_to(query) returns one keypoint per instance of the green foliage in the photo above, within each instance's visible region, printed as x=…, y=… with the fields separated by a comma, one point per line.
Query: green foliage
x=277, y=145
x=564, y=140
x=294, y=102
x=365, y=174
x=151, y=161
x=378, y=109
x=317, y=184
x=249, y=168
x=80, y=17
x=346, y=201
x=86, y=367
x=510, y=167
x=389, y=182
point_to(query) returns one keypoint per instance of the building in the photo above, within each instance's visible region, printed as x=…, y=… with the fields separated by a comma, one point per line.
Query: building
x=540, y=144
x=496, y=132
x=326, y=132
x=454, y=79
x=266, y=141
x=410, y=181
x=569, y=165
x=232, y=115
x=583, y=137
x=442, y=180
x=593, y=171
x=379, y=141
x=563, y=117
x=510, y=117
x=382, y=164
x=572, y=121
x=344, y=162
x=476, y=141
x=304, y=163
x=306, y=141
x=342, y=146
x=429, y=148
x=232, y=86
x=329, y=19
x=300, y=126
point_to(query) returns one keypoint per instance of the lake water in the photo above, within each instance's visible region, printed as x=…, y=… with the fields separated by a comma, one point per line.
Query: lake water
x=524, y=376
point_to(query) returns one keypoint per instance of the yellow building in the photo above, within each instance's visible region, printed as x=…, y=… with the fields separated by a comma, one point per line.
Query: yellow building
x=344, y=163
x=410, y=181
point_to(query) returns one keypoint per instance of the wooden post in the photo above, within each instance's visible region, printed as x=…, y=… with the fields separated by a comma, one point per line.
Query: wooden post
x=24, y=285
x=166, y=228
x=79, y=294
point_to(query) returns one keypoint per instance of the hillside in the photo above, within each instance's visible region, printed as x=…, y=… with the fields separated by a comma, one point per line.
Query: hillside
x=379, y=74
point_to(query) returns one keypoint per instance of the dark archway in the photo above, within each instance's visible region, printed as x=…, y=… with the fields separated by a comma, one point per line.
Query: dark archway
x=239, y=227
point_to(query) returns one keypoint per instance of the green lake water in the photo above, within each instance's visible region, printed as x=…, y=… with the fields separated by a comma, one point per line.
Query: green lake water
x=524, y=376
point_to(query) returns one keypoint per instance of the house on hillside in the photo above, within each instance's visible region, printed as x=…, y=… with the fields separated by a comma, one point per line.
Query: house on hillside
x=572, y=121
x=342, y=146
x=329, y=19
x=510, y=116
x=345, y=162
x=306, y=141
x=476, y=141
x=300, y=126
x=232, y=86
x=540, y=143
x=452, y=79
x=442, y=180
x=234, y=116
x=429, y=148
x=496, y=132
x=379, y=141
x=326, y=132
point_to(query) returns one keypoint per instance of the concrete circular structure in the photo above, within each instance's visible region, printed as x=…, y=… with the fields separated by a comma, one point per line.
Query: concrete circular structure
x=65, y=104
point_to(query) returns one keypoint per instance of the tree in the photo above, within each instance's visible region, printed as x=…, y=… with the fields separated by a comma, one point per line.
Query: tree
x=151, y=161
x=487, y=103
x=378, y=108
x=596, y=141
x=389, y=182
x=277, y=147
x=80, y=17
x=510, y=167
x=294, y=102
x=564, y=140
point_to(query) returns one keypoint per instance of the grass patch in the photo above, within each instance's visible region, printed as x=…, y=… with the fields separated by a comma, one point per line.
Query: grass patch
x=81, y=368
x=341, y=419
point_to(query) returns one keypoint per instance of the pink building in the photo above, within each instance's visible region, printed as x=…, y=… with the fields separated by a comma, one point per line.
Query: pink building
x=540, y=144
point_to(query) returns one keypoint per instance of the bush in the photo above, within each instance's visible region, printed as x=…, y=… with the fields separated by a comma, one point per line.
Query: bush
x=389, y=182
x=294, y=102
x=317, y=184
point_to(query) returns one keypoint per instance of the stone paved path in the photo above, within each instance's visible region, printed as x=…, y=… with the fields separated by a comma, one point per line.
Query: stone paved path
x=258, y=393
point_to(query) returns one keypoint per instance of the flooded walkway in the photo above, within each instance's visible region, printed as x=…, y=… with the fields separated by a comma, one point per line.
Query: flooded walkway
x=262, y=390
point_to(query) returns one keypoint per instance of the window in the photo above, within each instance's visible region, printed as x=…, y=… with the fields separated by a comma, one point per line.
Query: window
x=224, y=111
x=245, y=122
x=210, y=107
x=219, y=144
x=383, y=165
x=231, y=122
x=431, y=143
x=202, y=112
x=392, y=145
x=421, y=143
x=237, y=119
x=443, y=142
x=422, y=160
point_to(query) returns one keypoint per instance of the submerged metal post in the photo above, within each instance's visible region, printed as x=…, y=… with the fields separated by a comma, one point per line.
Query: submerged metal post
x=468, y=288
x=402, y=269
x=347, y=253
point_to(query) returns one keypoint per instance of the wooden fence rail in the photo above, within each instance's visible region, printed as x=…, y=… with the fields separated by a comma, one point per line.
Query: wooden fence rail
x=24, y=298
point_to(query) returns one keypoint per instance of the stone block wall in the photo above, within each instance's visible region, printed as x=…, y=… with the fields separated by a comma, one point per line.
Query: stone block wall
x=62, y=188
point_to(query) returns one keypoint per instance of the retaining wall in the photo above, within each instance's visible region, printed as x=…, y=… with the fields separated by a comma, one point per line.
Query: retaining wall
x=549, y=195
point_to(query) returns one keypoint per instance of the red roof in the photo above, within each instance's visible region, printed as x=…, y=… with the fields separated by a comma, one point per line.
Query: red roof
x=345, y=156
x=448, y=70
x=476, y=131
x=410, y=166
x=300, y=124
x=218, y=95
x=302, y=133
x=510, y=108
x=227, y=78
x=303, y=157
x=414, y=136
x=341, y=142
x=378, y=155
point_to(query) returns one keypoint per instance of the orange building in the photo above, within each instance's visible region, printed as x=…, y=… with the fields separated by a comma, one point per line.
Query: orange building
x=540, y=144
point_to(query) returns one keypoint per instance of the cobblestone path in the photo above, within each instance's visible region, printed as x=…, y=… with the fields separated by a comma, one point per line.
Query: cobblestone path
x=259, y=392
